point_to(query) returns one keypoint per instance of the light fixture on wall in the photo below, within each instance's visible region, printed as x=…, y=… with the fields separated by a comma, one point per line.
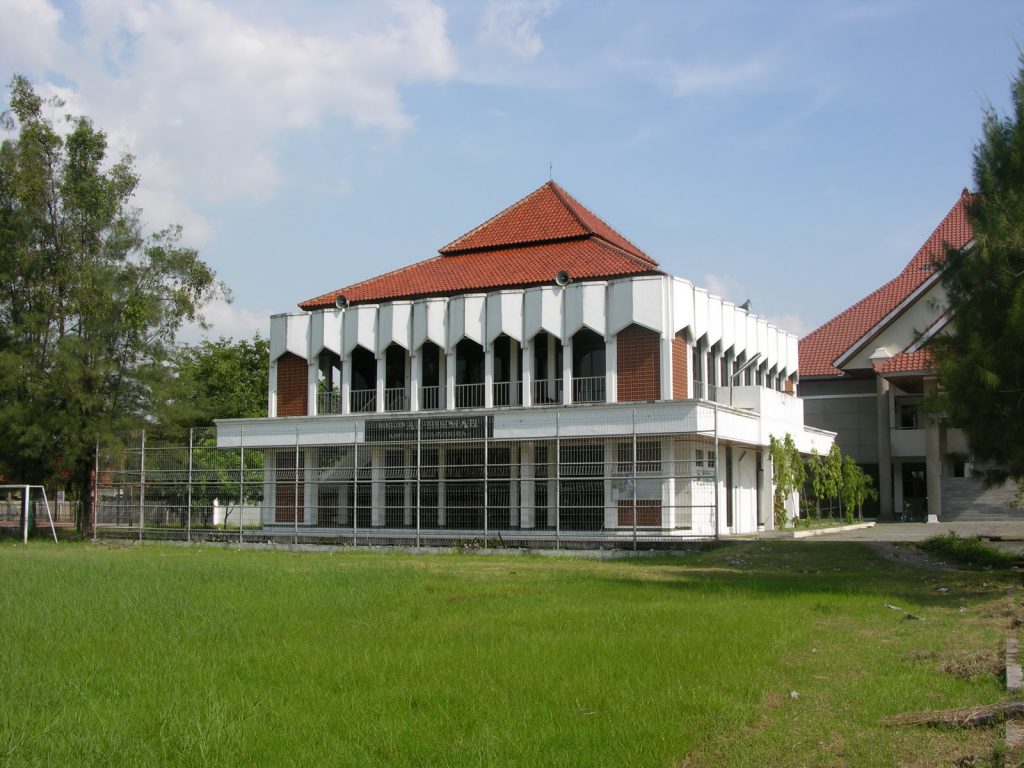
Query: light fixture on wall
x=562, y=278
x=341, y=302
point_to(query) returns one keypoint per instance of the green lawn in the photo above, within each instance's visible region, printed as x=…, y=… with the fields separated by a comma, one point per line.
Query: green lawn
x=161, y=655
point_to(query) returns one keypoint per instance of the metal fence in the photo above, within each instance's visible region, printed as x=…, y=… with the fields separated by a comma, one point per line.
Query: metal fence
x=427, y=489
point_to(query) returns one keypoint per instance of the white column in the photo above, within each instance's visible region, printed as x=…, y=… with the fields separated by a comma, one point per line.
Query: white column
x=377, y=488
x=513, y=487
x=489, y=376
x=526, y=496
x=513, y=367
x=567, y=371
x=528, y=374
x=932, y=457
x=415, y=372
x=346, y=385
x=885, y=484
x=668, y=487
x=312, y=380
x=611, y=364
x=767, y=511
x=665, y=364
x=310, y=494
x=272, y=390
x=441, y=505
x=379, y=382
x=408, y=473
x=449, y=380
x=611, y=496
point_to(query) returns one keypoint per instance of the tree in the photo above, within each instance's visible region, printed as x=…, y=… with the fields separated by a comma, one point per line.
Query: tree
x=827, y=476
x=222, y=379
x=788, y=474
x=856, y=488
x=979, y=360
x=89, y=304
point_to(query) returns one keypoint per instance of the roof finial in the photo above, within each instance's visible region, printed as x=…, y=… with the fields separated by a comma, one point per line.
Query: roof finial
x=550, y=170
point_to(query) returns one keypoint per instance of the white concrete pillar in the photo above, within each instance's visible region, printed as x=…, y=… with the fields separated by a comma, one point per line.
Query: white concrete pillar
x=528, y=373
x=885, y=496
x=346, y=385
x=272, y=390
x=932, y=456
x=310, y=490
x=513, y=487
x=377, y=489
x=666, y=366
x=527, y=512
x=441, y=503
x=767, y=490
x=415, y=374
x=668, y=483
x=408, y=474
x=611, y=364
x=449, y=380
x=489, y=376
x=513, y=367
x=567, y=372
x=611, y=494
x=379, y=396
x=897, y=488
x=312, y=385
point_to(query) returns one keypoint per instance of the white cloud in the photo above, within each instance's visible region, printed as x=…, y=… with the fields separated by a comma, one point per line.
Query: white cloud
x=205, y=97
x=789, y=322
x=700, y=79
x=512, y=25
x=726, y=286
x=28, y=33
x=228, y=320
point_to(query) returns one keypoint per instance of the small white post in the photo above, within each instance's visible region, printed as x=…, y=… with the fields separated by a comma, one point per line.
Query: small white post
x=24, y=515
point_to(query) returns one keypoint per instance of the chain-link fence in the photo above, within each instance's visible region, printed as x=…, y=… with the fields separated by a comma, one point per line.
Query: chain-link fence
x=420, y=481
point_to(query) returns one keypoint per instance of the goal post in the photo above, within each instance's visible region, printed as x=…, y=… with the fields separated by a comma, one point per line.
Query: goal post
x=24, y=518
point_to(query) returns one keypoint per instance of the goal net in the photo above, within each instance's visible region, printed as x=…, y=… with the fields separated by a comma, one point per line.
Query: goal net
x=24, y=507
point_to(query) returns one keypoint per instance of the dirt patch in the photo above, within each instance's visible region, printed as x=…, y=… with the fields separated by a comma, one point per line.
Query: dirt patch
x=905, y=555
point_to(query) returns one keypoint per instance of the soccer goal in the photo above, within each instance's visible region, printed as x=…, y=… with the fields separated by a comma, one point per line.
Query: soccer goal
x=21, y=505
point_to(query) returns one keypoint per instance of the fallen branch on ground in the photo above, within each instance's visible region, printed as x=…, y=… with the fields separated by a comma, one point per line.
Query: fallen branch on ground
x=965, y=717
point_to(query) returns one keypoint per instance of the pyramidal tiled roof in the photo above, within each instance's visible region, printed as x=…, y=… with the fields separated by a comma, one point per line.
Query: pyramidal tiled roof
x=528, y=243
x=822, y=347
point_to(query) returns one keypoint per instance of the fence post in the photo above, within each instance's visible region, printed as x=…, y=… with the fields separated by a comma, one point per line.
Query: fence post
x=717, y=534
x=635, y=480
x=558, y=483
x=355, y=487
x=486, y=506
x=295, y=506
x=241, y=478
x=419, y=435
x=96, y=491
x=24, y=514
x=188, y=515
x=142, y=485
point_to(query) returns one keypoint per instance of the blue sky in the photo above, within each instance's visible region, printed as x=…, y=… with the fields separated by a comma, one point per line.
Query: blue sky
x=792, y=153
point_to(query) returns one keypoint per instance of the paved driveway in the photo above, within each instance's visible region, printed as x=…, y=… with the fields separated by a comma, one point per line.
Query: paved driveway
x=1009, y=535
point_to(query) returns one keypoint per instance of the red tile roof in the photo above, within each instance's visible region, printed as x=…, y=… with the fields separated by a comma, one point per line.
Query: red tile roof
x=822, y=347
x=922, y=361
x=526, y=244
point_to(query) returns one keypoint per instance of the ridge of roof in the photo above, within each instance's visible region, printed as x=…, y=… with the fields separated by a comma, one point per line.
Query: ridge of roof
x=513, y=267
x=548, y=214
x=824, y=345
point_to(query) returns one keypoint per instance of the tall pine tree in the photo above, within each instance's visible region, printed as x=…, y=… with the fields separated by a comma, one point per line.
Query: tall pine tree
x=981, y=360
x=89, y=304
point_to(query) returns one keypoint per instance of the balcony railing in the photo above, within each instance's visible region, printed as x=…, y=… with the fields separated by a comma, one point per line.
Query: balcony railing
x=469, y=395
x=508, y=392
x=363, y=400
x=396, y=399
x=588, y=389
x=328, y=402
x=547, y=392
x=432, y=398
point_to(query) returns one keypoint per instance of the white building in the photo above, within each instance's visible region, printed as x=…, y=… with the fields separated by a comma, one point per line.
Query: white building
x=540, y=376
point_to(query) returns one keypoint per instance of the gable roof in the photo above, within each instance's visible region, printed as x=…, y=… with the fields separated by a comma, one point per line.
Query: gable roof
x=822, y=347
x=527, y=244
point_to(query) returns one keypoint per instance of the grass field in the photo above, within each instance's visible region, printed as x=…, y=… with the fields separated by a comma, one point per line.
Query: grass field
x=201, y=656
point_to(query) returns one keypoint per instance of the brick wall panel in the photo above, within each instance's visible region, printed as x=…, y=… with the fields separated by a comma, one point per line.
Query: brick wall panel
x=638, y=364
x=292, y=386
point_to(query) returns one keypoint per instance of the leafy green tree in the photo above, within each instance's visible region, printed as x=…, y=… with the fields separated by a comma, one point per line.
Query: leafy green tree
x=856, y=489
x=788, y=473
x=223, y=379
x=979, y=360
x=89, y=304
x=827, y=476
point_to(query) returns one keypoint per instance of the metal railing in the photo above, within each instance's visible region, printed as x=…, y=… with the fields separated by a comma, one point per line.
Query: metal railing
x=328, y=402
x=547, y=392
x=432, y=398
x=396, y=399
x=363, y=400
x=508, y=393
x=588, y=389
x=469, y=395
